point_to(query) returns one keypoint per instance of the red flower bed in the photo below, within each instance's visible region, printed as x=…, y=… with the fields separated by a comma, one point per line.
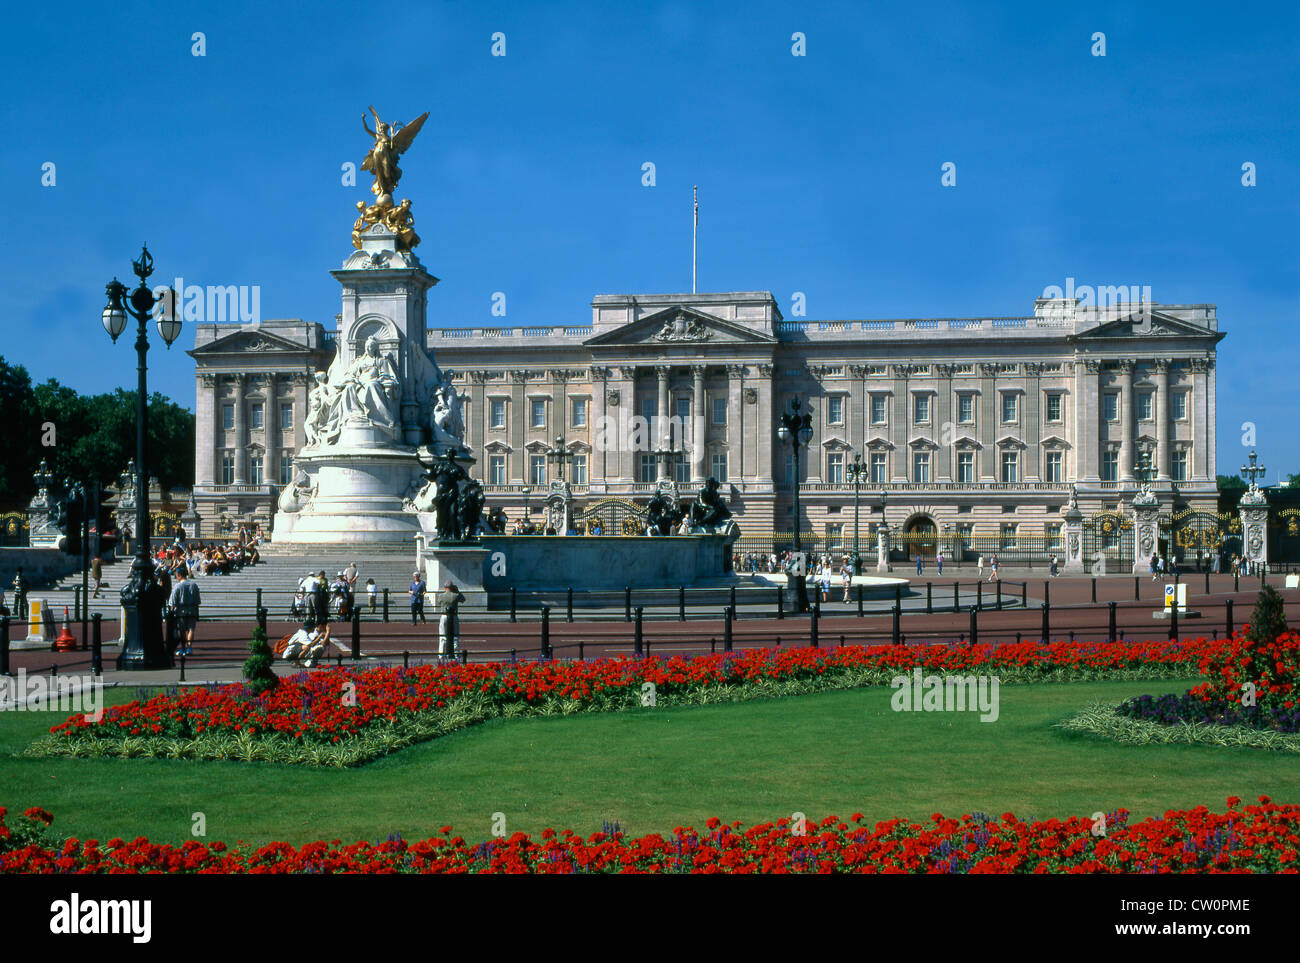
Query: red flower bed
x=1272, y=666
x=1260, y=838
x=331, y=705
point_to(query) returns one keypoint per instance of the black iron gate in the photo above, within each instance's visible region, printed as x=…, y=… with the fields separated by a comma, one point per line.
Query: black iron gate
x=1108, y=543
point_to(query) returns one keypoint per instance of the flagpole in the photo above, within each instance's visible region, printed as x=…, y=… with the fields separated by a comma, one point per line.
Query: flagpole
x=695, y=227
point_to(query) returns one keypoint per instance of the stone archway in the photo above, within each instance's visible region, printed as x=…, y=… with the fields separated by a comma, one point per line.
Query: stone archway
x=920, y=537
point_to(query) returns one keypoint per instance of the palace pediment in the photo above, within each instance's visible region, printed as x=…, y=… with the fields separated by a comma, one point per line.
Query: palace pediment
x=680, y=326
x=247, y=342
x=1149, y=324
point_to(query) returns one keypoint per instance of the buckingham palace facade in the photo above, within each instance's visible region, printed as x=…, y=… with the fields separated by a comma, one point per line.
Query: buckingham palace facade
x=964, y=426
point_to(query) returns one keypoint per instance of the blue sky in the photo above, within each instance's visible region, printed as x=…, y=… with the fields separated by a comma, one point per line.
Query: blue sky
x=818, y=174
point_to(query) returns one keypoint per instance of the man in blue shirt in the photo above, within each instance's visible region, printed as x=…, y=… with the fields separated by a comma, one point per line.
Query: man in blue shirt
x=417, y=598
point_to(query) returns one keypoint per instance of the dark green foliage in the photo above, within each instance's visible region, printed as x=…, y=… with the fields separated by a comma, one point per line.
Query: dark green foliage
x=257, y=667
x=1268, y=621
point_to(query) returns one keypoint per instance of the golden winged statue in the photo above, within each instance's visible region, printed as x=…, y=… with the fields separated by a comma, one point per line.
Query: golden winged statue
x=382, y=158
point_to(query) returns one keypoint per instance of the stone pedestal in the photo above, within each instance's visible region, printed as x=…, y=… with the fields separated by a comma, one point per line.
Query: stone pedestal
x=1146, y=530
x=1254, y=526
x=1073, y=533
x=461, y=563
x=882, y=549
x=357, y=499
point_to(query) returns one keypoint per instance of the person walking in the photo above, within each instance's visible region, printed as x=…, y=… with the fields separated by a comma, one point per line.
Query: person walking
x=938, y=561
x=846, y=578
x=416, y=592
x=372, y=591
x=96, y=575
x=350, y=573
x=919, y=568
x=184, y=602
x=449, y=621
x=979, y=567
x=993, y=569
x=320, y=596
x=1051, y=565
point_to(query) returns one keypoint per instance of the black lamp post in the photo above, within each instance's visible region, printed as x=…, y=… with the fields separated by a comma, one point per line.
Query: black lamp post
x=528, y=515
x=797, y=429
x=857, y=472
x=143, y=646
x=559, y=454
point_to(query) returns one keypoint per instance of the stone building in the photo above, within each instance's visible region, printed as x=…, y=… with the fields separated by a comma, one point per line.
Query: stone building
x=970, y=430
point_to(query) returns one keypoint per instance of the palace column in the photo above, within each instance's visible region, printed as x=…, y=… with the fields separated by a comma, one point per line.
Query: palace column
x=271, y=432
x=1163, y=451
x=241, y=433
x=517, y=433
x=943, y=416
x=208, y=424
x=763, y=427
x=627, y=453
x=735, y=423
x=1126, y=460
x=661, y=430
x=1087, y=439
x=697, y=423
x=602, y=437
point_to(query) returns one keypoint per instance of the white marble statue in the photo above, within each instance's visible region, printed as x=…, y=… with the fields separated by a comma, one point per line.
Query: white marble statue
x=296, y=494
x=447, y=423
x=321, y=426
x=368, y=390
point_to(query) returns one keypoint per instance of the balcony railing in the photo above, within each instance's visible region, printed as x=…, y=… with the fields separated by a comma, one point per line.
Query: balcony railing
x=529, y=331
x=912, y=325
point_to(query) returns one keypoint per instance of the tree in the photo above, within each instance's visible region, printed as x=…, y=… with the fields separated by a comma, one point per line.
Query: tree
x=1293, y=481
x=1230, y=483
x=257, y=667
x=22, y=436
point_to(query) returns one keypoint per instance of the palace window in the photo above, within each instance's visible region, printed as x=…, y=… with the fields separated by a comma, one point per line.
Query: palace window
x=1110, y=406
x=1178, y=464
x=538, y=411
x=921, y=467
x=1178, y=402
x=835, y=536
x=1055, y=466
x=498, y=415
x=1010, y=466
x=719, y=463
x=579, y=412
x=963, y=369
x=255, y=422
x=228, y=468
x=228, y=417
x=255, y=469
x=921, y=409
x=966, y=409
x=719, y=411
x=286, y=417
x=1007, y=542
x=537, y=470
x=835, y=468
x=879, y=409
x=1053, y=532
x=1110, y=465
x=579, y=469
x=682, y=471
x=684, y=410
x=1009, y=407
x=879, y=468
x=646, y=468
x=1053, y=407
x=835, y=410
x=496, y=469
x=1146, y=404
x=286, y=466
x=966, y=467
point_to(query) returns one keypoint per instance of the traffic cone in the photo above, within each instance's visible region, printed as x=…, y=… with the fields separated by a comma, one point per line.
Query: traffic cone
x=66, y=641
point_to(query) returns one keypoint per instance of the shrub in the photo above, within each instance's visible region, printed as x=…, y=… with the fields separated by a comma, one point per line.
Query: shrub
x=257, y=667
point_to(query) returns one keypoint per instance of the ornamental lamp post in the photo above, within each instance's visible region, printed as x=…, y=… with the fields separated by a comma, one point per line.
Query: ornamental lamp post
x=143, y=646
x=796, y=429
x=528, y=515
x=857, y=472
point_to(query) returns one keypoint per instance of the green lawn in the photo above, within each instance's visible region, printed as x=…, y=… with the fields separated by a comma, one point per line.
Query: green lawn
x=839, y=752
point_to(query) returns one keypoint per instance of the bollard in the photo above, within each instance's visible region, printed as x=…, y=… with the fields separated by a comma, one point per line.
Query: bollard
x=356, y=630
x=338, y=659
x=1024, y=597
x=1047, y=594
x=732, y=600
x=1137, y=583
x=638, y=643
x=76, y=601
x=681, y=603
x=259, y=599
x=1235, y=576
x=860, y=613
x=1047, y=628
x=464, y=656
x=1094, y=588
x=1111, y=632
x=778, y=641
x=1173, y=622
x=814, y=615
x=1227, y=630
x=406, y=659
x=1017, y=638
x=513, y=656
x=780, y=601
x=4, y=643
x=182, y=678
x=929, y=603
x=261, y=619
x=898, y=595
x=627, y=604
x=956, y=606
x=979, y=594
x=96, y=644
x=514, y=603
x=726, y=632
x=713, y=646
x=582, y=648
x=546, y=632
x=1207, y=581
x=999, y=593
x=568, y=615
x=898, y=614
x=974, y=626
x=841, y=640
x=385, y=604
